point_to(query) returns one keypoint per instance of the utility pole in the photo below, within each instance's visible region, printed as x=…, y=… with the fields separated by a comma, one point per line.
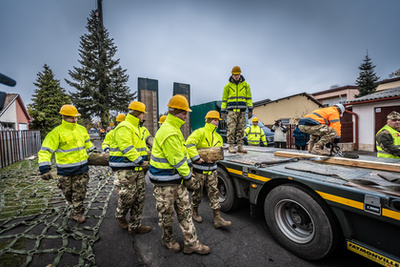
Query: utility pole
x=103, y=84
x=99, y=12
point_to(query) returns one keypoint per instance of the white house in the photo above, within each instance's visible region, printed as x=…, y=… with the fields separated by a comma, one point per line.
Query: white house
x=370, y=112
x=13, y=114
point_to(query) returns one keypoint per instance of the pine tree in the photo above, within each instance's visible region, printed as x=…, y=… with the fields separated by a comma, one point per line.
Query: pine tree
x=366, y=82
x=47, y=99
x=100, y=82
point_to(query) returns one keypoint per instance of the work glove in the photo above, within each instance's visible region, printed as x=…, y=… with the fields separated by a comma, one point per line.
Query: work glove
x=47, y=176
x=145, y=166
x=223, y=115
x=250, y=115
x=336, y=140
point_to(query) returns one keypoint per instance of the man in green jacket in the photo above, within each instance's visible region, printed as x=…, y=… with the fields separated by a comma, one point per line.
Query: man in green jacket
x=388, y=138
x=236, y=98
x=128, y=155
x=206, y=172
x=71, y=143
x=170, y=174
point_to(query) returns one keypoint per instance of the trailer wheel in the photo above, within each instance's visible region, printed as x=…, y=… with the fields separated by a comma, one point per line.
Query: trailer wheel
x=227, y=194
x=300, y=223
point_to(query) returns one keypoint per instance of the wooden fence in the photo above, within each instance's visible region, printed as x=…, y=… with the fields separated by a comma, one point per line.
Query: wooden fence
x=17, y=145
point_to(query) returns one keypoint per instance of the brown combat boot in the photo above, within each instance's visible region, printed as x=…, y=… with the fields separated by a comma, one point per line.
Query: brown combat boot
x=232, y=149
x=219, y=221
x=241, y=149
x=79, y=218
x=199, y=248
x=196, y=216
x=319, y=150
x=140, y=230
x=172, y=245
x=122, y=222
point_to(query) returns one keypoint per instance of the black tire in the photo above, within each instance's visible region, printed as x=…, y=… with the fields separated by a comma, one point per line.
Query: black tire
x=301, y=223
x=227, y=192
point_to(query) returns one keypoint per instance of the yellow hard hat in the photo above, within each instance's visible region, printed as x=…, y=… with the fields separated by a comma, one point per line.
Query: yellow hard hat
x=255, y=119
x=162, y=119
x=213, y=114
x=120, y=117
x=69, y=110
x=179, y=102
x=236, y=70
x=139, y=106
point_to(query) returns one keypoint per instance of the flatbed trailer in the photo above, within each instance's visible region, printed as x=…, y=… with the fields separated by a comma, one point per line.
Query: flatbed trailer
x=312, y=206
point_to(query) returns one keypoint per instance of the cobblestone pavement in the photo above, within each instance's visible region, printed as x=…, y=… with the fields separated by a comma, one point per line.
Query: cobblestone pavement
x=49, y=235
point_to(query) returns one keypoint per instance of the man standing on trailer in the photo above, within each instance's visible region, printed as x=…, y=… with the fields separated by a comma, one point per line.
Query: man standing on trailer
x=236, y=98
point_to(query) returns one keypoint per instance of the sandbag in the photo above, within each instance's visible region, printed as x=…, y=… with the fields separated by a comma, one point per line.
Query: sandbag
x=211, y=153
x=99, y=159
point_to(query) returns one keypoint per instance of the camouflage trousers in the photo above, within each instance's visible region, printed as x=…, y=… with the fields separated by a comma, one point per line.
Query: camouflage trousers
x=175, y=198
x=326, y=133
x=74, y=189
x=131, y=191
x=211, y=183
x=236, y=123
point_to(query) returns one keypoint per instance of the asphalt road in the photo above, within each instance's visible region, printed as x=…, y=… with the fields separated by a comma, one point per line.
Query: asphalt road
x=247, y=242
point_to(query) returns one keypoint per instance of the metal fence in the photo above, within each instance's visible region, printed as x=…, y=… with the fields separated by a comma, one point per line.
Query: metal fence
x=17, y=145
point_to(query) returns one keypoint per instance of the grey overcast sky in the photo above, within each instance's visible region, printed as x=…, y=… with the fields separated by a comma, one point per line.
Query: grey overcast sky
x=284, y=47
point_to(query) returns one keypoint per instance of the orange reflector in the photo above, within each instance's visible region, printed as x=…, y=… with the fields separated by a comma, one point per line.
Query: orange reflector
x=254, y=186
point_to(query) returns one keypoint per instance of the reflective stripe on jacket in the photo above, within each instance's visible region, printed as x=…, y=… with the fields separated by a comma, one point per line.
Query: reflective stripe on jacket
x=69, y=142
x=255, y=135
x=236, y=96
x=128, y=148
x=201, y=138
x=169, y=162
x=329, y=116
x=396, y=142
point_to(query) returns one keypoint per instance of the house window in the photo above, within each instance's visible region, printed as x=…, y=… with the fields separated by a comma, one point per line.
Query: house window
x=5, y=126
x=285, y=121
x=23, y=126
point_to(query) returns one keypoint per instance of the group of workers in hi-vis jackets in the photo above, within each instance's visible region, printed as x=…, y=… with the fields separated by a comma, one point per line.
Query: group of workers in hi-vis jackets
x=174, y=164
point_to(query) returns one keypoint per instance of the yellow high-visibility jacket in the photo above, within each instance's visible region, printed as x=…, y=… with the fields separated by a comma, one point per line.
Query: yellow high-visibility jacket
x=396, y=142
x=201, y=138
x=107, y=141
x=145, y=132
x=70, y=143
x=128, y=148
x=255, y=136
x=169, y=159
x=236, y=97
x=329, y=116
